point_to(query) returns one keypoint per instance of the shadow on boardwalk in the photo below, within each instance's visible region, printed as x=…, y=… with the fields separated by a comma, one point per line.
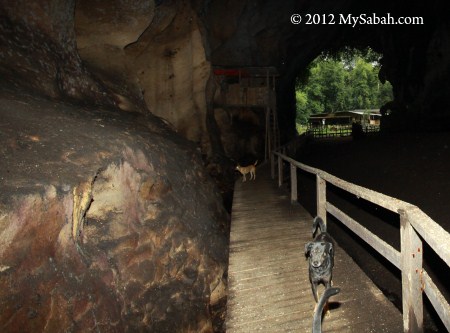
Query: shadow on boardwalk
x=269, y=289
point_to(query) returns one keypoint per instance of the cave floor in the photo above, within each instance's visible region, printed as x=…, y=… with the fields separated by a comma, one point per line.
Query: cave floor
x=269, y=288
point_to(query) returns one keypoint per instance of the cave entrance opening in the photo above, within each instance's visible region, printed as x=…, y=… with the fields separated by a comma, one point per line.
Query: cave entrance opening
x=340, y=92
x=249, y=92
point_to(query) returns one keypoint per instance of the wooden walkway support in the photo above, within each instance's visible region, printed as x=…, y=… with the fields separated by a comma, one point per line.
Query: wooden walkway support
x=269, y=289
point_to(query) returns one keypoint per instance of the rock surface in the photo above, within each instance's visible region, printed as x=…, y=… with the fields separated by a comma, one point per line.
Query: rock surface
x=108, y=219
x=108, y=222
x=39, y=52
x=416, y=58
x=156, y=53
x=156, y=56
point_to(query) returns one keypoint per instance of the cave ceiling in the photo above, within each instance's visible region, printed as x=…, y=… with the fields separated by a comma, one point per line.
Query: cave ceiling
x=156, y=56
x=261, y=34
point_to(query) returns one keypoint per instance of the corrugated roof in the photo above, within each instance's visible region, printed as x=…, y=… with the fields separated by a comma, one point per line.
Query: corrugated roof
x=339, y=114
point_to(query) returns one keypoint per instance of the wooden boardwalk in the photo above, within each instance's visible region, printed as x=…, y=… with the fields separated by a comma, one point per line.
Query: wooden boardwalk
x=269, y=289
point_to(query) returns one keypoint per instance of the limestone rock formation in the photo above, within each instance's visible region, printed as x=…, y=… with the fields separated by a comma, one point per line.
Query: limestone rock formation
x=155, y=52
x=39, y=51
x=107, y=223
x=108, y=219
x=416, y=57
x=103, y=30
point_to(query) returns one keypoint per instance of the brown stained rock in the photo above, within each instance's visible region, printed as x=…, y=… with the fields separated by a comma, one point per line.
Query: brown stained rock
x=127, y=238
x=176, y=76
x=153, y=56
x=115, y=23
x=39, y=51
x=103, y=30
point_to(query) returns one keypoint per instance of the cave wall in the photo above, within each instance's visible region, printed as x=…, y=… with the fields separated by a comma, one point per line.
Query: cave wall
x=175, y=78
x=415, y=58
x=39, y=52
x=108, y=222
x=156, y=56
x=156, y=52
x=108, y=218
x=135, y=55
x=417, y=63
x=103, y=30
x=251, y=33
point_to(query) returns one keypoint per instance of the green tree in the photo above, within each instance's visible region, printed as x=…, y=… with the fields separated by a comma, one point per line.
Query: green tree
x=361, y=82
x=332, y=76
x=341, y=81
x=314, y=92
x=303, y=112
x=385, y=93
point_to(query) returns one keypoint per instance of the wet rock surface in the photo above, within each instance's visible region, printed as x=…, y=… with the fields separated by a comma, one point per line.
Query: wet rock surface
x=156, y=56
x=39, y=52
x=108, y=222
x=153, y=55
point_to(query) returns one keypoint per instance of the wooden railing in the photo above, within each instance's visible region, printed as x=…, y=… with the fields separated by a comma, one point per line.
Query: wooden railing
x=414, y=225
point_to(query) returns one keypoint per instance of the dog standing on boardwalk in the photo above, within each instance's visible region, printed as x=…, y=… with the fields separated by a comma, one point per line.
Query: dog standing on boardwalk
x=317, y=321
x=247, y=169
x=320, y=253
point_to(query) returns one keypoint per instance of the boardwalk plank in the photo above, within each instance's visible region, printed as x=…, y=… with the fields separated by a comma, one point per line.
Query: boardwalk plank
x=269, y=289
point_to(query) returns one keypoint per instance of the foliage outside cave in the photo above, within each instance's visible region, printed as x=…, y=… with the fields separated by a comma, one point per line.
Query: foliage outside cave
x=344, y=81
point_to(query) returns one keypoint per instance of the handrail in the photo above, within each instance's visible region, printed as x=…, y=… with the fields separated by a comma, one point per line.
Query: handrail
x=413, y=222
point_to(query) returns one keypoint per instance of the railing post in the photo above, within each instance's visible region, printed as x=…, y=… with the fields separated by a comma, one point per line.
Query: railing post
x=411, y=265
x=272, y=165
x=293, y=183
x=280, y=171
x=321, y=190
